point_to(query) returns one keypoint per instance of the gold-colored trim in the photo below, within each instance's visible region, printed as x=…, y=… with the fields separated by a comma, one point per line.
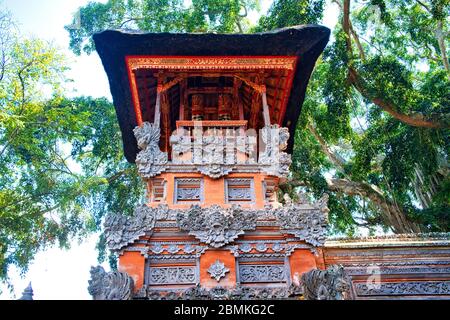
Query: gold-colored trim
x=211, y=63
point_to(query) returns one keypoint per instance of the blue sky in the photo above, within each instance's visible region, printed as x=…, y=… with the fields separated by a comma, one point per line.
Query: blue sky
x=55, y=273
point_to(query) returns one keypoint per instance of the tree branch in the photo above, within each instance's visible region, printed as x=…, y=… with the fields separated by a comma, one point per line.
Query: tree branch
x=416, y=119
x=391, y=214
x=346, y=26
x=424, y=5
x=334, y=158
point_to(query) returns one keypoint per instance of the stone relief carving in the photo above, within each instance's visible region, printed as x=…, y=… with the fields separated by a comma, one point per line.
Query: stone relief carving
x=308, y=224
x=189, y=248
x=173, y=249
x=215, y=225
x=172, y=275
x=396, y=270
x=150, y=161
x=239, y=194
x=222, y=293
x=157, y=248
x=275, y=139
x=403, y=288
x=110, y=286
x=217, y=270
x=277, y=247
x=330, y=284
x=120, y=230
x=262, y=273
x=246, y=247
x=262, y=257
x=214, y=154
x=193, y=194
x=214, y=170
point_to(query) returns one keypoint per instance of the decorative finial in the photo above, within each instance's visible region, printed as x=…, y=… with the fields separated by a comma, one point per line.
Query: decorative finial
x=27, y=294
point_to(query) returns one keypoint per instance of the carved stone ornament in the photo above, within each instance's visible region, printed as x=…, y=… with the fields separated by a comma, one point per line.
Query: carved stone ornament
x=275, y=140
x=214, y=170
x=215, y=154
x=150, y=161
x=223, y=293
x=262, y=273
x=121, y=230
x=216, y=226
x=217, y=270
x=110, y=286
x=27, y=294
x=410, y=288
x=305, y=222
x=330, y=284
x=172, y=275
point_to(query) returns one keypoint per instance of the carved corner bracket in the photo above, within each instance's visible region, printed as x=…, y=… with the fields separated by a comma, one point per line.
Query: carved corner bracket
x=120, y=230
x=304, y=222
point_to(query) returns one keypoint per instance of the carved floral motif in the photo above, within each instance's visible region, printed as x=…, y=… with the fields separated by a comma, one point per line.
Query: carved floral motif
x=172, y=275
x=120, y=230
x=262, y=273
x=222, y=293
x=404, y=288
x=217, y=270
x=217, y=226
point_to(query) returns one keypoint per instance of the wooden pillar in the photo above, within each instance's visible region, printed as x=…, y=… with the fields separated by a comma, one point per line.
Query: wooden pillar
x=157, y=119
x=266, y=113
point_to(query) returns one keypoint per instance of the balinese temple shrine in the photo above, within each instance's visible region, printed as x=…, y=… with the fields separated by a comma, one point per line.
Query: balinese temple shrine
x=209, y=121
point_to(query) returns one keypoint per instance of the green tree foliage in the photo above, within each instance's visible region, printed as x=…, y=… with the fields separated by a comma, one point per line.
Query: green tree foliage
x=61, y=165
x=222, y=16
x=374, y=127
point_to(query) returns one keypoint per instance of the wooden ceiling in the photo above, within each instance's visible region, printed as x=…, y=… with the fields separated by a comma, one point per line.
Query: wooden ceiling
x=236, y=76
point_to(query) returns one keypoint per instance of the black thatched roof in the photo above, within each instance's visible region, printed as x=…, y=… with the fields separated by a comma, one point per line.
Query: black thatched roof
x=307, y=42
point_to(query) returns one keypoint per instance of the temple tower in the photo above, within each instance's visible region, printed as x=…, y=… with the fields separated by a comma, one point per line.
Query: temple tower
x=209, y=121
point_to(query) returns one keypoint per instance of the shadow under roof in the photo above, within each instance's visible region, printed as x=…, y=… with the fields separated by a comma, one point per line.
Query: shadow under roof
x=305, y=42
